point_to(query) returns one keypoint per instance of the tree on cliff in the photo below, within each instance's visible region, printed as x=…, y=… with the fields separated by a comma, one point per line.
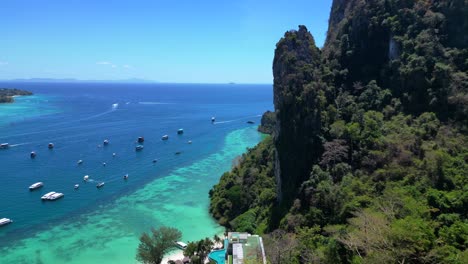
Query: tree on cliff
x=155, y=245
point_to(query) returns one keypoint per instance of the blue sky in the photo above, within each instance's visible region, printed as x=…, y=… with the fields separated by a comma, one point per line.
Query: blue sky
x=192, y=41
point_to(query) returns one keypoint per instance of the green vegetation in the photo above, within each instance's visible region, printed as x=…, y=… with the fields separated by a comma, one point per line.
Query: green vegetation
x=155, y=245
x=267, y=124
x=369, y=162
x=6, y=95
x=198, y=251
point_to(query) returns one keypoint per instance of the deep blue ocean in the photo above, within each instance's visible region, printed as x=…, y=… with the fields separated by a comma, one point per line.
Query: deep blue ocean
x=78, y=117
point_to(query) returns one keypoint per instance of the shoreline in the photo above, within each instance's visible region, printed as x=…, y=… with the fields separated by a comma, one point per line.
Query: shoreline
x=178, y=254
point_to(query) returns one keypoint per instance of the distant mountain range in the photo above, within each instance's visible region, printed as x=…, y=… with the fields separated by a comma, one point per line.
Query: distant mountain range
x=132, y=80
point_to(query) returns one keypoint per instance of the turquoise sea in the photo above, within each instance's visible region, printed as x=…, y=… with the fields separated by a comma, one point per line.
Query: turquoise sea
x=91, y=225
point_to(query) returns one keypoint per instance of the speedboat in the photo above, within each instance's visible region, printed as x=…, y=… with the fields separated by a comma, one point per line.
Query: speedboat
x=33, y=154
x=125, y=176
x=46, y=196
x=189, y=142
x=77, y=186
x=55, y=196
x=50, y=145
x=139, y=147
x=141, y=139
x=35, y=186
x=180, y=131
x=180, y=244
x=86, y=178
x=106, y=142
x=79, y=162
x=5, y=221
x=165, y=137
x=4, y=146
x=100, y=185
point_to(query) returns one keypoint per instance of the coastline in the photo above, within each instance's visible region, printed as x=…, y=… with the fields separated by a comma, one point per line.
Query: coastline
x=152, y=205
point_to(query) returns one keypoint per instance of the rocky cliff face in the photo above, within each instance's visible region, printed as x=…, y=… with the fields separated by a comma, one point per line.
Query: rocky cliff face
x=294, y=67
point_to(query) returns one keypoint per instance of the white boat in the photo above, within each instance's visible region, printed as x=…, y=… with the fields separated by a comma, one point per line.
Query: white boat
x=50, y=146
x=139, y=147
x=180, y=131
x=4, y=146
x=77, y=186
x=79, y=162
x=106, y=142
x=55, y=196
x=125, y=176
x=99, y=185
x=113, y=154
x=5, y=221
x=165, y=137
x=36, y=185
x=33, y=154
x=86, y=178
x=46, y=196
x=213, y=119
x=189, y=142
x=180, y=244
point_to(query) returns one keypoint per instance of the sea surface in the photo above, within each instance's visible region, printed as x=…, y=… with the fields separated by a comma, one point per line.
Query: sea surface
x=91, y=225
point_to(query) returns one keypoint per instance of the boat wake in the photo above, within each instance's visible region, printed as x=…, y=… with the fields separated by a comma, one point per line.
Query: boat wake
x=234, y=120
x=154, y=103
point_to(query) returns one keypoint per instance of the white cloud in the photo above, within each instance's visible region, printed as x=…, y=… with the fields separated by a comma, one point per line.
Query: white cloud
x=103, y=63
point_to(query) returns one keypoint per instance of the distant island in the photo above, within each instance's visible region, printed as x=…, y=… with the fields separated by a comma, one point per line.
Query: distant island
x=6, y=94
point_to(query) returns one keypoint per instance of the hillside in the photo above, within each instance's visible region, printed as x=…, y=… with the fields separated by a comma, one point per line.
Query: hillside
x=368, y=157
x=6, y=95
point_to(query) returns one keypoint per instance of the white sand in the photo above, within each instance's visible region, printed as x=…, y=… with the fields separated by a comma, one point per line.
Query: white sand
x=175, y=255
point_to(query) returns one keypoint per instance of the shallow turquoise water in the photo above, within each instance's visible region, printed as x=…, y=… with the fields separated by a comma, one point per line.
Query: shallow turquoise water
x=110, y=233
x=103, y=225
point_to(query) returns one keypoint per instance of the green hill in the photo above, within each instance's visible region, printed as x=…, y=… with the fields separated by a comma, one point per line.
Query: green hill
x=368, y=157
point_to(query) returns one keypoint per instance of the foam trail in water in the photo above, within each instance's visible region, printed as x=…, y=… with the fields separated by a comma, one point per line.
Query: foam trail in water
x=153, y=103
x=229, y=121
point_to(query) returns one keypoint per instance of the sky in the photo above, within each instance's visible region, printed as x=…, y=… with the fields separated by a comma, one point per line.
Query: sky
x=183, y=41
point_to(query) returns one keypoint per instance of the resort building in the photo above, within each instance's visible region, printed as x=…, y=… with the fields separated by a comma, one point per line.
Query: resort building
x=240, y=248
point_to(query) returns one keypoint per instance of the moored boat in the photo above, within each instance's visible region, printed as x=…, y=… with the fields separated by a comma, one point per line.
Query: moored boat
x=180, y=131
x=139, y=147
x=106, y=142
x=250, y=122
x=79, y=162
x=100, y=185
x=76, y=186
x=165, y=137
x=33, y=154
x=141, y=139
x=213, y=119
x=125, y=176
x=46, y=196
x=50, y=145
x=86, y=178
x=180, y=244
x=35, y=186
x=55, y=196
x=5, y=221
